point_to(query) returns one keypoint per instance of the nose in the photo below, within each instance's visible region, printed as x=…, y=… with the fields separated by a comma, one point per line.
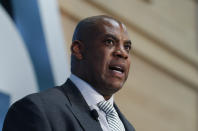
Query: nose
x=120, y=53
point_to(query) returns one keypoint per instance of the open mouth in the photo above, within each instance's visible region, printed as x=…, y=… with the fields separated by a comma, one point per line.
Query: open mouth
x=118, y=69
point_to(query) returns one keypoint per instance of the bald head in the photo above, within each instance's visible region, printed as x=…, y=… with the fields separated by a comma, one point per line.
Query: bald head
x=91, y=26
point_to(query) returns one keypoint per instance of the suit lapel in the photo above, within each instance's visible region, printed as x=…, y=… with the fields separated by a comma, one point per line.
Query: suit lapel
x=79, y=107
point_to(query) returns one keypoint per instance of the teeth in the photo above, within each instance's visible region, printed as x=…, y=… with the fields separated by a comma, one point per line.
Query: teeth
x=117, y=71
x=116, y=68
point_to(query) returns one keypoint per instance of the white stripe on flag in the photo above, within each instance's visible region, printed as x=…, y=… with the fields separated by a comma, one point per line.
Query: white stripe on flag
x=54, y=39
x=17, y=77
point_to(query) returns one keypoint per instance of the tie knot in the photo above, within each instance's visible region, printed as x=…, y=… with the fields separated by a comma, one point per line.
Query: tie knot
x=106, y=106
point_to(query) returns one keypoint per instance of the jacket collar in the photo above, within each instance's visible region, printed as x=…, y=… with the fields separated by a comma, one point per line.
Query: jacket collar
x=79, y=107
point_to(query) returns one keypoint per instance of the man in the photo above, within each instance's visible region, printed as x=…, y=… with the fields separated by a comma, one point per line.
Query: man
x=100, y=64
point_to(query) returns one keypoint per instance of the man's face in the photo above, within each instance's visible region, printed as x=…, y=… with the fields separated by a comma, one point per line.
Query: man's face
x=107, y=57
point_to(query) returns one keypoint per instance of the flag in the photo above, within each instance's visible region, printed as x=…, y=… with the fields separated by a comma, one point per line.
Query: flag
x=32, y=49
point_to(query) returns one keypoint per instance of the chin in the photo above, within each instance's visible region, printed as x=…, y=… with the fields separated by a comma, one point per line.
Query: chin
x=115, y=86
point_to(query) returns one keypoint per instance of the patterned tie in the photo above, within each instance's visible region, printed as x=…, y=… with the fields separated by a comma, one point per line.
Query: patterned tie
x=112, y=116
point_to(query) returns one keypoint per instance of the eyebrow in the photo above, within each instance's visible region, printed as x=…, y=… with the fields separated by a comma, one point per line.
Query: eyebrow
x=112, y=36
x=116, y=39
x=128, y=42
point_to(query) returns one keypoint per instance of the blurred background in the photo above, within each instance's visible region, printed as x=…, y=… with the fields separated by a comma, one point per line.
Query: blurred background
x=162, y=89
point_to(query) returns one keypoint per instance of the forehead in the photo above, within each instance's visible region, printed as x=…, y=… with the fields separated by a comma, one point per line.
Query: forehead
x=110, y=26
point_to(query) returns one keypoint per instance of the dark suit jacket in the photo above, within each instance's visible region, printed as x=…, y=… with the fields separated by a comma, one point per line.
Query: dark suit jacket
x=58, y=109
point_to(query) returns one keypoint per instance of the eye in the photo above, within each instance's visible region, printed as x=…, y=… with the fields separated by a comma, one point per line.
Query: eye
x=127, y=47
x=109, y=42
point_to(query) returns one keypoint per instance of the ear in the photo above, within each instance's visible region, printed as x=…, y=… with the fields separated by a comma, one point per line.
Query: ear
x=77, y=48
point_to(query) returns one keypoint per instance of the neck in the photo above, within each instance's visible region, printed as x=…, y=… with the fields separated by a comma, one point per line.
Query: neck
x=81, y=76
x=107, y=97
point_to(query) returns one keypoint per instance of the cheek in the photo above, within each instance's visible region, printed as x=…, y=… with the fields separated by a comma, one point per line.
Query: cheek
x=129, y=64
x=100, y=58
x=103, y=62
x=103, y=55
x=97, y=61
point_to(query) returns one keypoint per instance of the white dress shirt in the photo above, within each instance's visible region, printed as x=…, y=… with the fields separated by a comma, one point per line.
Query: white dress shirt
x=92, y=97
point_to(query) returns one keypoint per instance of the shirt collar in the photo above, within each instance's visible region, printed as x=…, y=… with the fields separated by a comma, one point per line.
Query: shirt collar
x=91, y=96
